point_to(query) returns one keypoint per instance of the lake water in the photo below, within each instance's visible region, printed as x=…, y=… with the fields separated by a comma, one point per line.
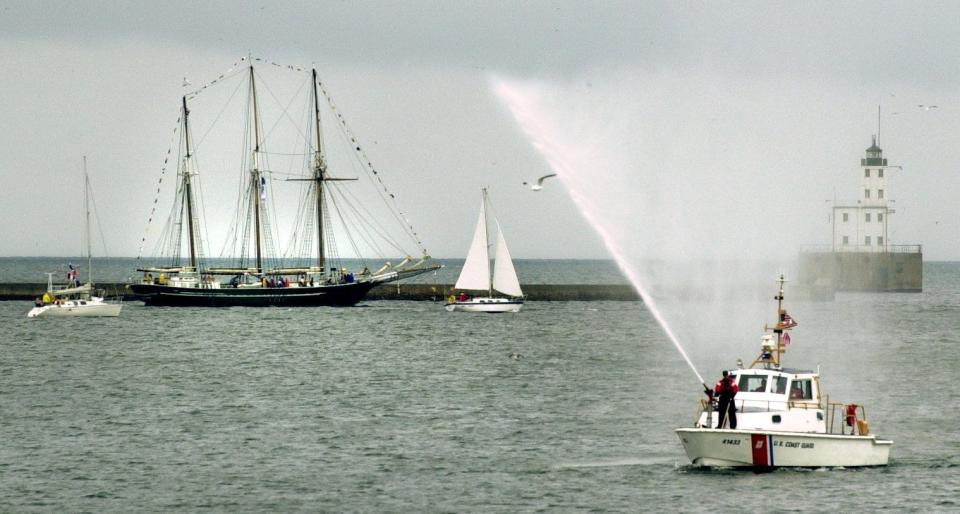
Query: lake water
x=401, y=406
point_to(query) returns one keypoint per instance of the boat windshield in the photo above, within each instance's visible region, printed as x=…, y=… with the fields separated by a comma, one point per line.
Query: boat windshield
x=801, y=390
x=780, y=385
x=753, y=383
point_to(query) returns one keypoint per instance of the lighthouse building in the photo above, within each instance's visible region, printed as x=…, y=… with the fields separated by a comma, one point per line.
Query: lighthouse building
x=862, y=227
x=860, y=256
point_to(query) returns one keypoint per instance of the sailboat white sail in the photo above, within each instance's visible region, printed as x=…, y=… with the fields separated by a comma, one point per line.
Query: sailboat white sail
x=476, y=276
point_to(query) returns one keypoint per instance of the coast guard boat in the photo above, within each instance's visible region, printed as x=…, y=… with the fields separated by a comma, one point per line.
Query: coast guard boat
x=784, y=418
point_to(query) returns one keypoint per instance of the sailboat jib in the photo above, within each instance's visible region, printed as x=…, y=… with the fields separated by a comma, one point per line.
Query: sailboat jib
x=304, y=229
x=475, y=274
x=504, y=275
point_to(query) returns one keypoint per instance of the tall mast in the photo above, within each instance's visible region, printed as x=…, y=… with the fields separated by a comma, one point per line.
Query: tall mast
x=319, y=171
x=187, y=188
x=86, y=210
x=486, y=236
x=779, y=330
x=255, y=188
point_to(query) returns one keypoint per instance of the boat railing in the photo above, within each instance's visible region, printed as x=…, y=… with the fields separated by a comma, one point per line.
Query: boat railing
x=857, y=424
x=852, y=416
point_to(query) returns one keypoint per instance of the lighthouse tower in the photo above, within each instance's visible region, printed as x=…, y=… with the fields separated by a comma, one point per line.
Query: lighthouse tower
x=860, y=256
x=863, y=227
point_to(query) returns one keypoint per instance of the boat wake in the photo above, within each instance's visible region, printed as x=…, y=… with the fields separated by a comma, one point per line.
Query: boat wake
x=613, y=463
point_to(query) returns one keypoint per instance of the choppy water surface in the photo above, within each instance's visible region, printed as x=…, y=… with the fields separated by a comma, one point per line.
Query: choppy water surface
x=400, y=406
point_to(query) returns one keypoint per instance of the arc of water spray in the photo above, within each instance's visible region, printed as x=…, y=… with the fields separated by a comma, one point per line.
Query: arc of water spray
x=524, y=114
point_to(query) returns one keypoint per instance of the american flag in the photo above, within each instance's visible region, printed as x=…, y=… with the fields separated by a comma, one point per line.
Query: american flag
x=786, y=321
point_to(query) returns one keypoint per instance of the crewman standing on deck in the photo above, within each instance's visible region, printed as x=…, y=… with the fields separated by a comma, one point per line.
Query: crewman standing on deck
x=725, y=390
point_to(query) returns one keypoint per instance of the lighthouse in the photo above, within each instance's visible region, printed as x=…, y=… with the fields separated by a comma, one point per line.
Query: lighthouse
x=860, y=256
x=862, y=227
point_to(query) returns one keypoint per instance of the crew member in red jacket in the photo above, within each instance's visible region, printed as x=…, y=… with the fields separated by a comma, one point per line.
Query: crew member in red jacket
x=725, y=390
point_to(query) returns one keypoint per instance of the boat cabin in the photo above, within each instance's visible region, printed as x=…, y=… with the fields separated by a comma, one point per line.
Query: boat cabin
x=775, y=399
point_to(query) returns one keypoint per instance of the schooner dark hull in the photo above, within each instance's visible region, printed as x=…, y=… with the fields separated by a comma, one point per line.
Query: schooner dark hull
x=327, y=295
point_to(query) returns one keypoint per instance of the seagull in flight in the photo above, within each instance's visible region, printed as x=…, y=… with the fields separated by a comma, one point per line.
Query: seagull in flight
x=539, y=185
x=927, y=107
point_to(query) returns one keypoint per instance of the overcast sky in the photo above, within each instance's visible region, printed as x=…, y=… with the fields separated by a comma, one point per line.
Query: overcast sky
x=728, y=125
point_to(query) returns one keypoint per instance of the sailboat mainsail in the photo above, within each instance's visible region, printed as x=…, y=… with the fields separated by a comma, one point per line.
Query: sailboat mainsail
x=475, y=274
x=310, y=271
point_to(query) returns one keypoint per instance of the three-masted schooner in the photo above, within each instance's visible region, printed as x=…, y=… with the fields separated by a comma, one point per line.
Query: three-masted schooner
x=188, y=279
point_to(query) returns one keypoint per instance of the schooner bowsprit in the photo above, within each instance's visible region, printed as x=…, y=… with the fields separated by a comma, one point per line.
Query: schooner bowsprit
x=311, y=272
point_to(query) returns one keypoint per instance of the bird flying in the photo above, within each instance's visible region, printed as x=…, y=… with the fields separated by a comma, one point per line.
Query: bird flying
x=539, y=185
x=927, y=107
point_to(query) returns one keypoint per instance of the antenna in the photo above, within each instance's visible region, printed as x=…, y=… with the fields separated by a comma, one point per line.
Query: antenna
x=878, y=125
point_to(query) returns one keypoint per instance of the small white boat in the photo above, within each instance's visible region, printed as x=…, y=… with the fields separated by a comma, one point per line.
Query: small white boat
x=783, y=418
x=76, y=299
x=476, y=276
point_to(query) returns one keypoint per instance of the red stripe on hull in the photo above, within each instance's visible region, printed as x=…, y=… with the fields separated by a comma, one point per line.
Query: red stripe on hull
x=758, y=443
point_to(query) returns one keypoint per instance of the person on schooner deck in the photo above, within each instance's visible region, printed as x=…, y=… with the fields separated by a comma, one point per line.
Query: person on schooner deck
x=725, y=390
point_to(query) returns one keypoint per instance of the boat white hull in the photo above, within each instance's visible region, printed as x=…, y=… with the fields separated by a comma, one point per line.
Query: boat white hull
x=485, y=305
x=78, y=310
x=764, y=449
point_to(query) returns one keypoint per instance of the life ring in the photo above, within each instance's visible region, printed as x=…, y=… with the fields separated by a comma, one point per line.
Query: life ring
x=851, y=414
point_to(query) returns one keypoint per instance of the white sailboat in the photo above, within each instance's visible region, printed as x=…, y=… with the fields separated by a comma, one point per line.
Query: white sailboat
x=76, y=299
x=476, y=276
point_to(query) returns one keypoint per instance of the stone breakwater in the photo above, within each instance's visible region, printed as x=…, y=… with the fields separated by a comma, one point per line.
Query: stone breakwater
x=423, y=292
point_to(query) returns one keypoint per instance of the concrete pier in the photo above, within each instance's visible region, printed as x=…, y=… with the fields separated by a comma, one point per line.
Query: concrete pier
x=898, y=271
x=422, y=292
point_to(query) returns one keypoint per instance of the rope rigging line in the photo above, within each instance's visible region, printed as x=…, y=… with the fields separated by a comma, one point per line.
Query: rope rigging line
x=361, y=155
x=96, y=214
x=346, y=228
x=223, y=76
x=153, y=208
x=367, y=218
x=199, y=142
x=364, y=234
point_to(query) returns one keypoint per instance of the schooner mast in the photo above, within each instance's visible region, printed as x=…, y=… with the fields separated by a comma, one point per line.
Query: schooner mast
x=319, y=175
x=187, y=189
x=256, y=177
x=319, y=172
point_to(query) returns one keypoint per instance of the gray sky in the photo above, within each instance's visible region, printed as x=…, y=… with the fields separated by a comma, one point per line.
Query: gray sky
x=723, y=122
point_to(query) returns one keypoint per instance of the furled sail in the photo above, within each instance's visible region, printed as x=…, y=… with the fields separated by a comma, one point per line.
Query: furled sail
x=504, y=275
x=476, y=269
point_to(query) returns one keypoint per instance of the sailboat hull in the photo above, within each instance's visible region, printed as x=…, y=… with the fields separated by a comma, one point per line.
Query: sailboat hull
x=77, y=308
x=332, y=295
x=492, y=305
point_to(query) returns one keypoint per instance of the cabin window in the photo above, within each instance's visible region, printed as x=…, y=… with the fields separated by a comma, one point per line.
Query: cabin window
x=780, y=386
x=753, y=383
x=801, y=389
x=776, y=418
